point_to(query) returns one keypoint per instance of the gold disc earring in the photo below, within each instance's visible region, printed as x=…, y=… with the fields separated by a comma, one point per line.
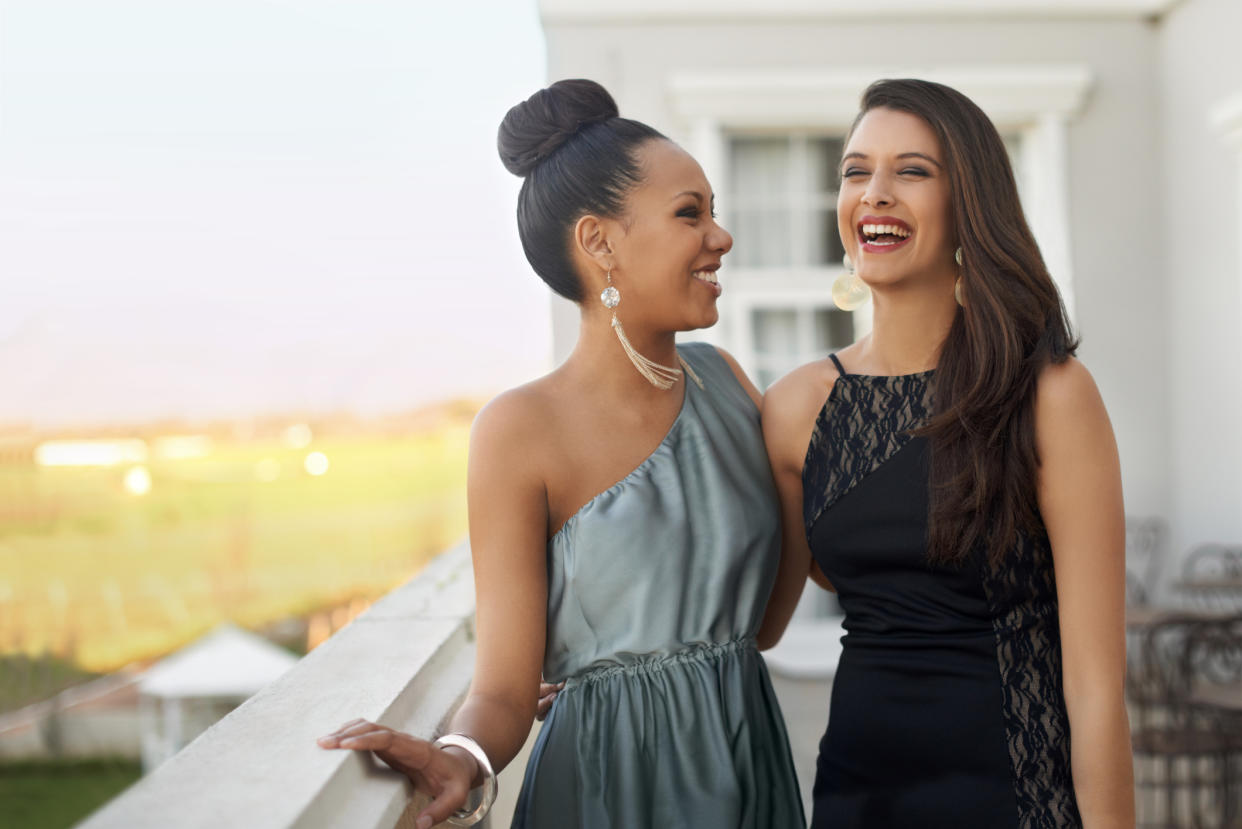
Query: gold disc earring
x=849, y=292
x=957, y=286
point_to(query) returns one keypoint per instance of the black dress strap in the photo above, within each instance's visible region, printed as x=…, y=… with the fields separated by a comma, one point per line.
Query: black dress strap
x=837, y=363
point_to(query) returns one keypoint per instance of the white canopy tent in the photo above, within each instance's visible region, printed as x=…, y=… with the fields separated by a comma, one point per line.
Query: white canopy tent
x=188, y=692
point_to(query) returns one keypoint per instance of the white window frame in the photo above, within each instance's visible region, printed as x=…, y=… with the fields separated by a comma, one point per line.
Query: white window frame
x=800, y=286
x=801, y=201
x=804, y=303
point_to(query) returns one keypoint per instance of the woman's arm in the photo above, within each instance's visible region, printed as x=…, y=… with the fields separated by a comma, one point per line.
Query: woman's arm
x=1080, y=500
x=508, y=531
x=508, y=511
x=789, y=411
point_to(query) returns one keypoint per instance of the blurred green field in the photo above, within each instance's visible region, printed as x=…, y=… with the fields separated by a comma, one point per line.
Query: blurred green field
x=56, y=795
x=103, y=577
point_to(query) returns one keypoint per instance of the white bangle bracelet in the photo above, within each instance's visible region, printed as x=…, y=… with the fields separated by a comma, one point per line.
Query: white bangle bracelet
x=462, y=817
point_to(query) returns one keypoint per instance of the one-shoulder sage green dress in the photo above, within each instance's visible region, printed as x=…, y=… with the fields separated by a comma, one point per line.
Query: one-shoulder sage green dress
x=656, y=588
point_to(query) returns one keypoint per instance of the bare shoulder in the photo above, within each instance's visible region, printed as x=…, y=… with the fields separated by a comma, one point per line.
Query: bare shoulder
x=512, y=411
x=1066, y=381
x=750, y=387
x=513, y=427
x=790, y=409
x=1066, y=390
x=1070, y=419
x=800, y=392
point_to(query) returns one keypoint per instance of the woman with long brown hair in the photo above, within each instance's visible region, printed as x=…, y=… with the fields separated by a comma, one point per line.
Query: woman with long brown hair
x=954, y=477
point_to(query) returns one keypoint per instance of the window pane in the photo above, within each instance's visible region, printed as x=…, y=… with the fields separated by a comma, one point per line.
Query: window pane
x=775, y=331
x=760, y=168
x=760, y=237
x=824, y=156
x=825, y=239
x=834, y=329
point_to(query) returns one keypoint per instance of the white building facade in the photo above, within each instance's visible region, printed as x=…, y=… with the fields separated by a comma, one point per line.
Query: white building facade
x=1124, y=121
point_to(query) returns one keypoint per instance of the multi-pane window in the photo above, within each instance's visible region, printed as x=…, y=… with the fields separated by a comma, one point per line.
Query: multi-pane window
x=783, y=202
x=782, y=211
x=786, y=337
x=781, y=199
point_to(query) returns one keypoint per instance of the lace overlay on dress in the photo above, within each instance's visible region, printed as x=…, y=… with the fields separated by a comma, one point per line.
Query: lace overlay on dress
x=865, y=421
x=1023, y=598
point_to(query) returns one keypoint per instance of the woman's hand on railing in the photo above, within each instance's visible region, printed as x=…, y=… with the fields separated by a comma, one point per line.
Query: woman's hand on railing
x=547, y=693
x=445, y=774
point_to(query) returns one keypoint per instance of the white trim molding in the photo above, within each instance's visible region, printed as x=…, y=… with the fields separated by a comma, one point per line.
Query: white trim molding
x=724, y=11
x=1013, y=95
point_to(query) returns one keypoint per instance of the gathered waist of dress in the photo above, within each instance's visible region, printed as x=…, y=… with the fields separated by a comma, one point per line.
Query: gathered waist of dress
x=645, y=663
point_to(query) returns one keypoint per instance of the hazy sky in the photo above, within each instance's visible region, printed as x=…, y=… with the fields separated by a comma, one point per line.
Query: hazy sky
x=217, y=207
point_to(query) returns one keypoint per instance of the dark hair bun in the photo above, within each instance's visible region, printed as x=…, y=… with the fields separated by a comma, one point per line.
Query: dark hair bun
x=537, y=127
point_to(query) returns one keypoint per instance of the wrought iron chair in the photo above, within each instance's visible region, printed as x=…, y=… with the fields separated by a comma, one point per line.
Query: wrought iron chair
x=1212, y=578
x=1186, y=741
x=1214, y=664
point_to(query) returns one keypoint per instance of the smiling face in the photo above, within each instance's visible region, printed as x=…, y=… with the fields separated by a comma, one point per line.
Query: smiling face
x=894, y=210
x=667, y=248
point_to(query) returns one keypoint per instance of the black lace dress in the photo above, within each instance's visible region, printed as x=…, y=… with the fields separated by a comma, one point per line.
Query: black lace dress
x=947, y=709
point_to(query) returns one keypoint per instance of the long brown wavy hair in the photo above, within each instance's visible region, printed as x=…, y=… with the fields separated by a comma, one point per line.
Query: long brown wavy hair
x=984, y=463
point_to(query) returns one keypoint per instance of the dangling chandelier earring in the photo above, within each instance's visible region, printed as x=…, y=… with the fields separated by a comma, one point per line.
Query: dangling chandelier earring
x=660, y=376
x=957, y=286
x=849, y=292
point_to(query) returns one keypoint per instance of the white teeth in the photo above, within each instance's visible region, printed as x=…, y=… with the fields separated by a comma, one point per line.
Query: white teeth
x=891, y=230
x=706, y=276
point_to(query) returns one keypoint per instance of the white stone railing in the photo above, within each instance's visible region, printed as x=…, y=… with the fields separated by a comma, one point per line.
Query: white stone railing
x=405, y=663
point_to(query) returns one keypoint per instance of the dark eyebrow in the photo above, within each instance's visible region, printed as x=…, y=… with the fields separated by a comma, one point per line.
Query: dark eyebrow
x=697, y=195
x=923, y=156
x=848, y=156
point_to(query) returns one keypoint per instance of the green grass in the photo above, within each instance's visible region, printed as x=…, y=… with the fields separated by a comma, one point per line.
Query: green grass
x=102, y=577
x=56, y=795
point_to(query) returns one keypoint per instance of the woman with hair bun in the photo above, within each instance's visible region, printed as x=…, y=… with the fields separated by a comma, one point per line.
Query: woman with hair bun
x=953, y=475
x=623, y=521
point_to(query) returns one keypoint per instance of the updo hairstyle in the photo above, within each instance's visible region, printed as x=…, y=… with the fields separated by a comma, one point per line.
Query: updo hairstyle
x=578, y=157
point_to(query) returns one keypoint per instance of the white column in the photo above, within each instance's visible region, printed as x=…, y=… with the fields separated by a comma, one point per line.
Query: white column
x=149, y=725
x=708, y=146
x=565, y=322
x=1046, y=154
x=1227, y=118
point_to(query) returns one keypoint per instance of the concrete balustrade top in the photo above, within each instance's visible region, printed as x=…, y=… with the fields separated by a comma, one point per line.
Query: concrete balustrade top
x=405, y=663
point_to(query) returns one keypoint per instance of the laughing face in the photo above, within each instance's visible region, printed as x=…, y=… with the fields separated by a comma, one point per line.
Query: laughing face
x=669, y=246
x=894, y=211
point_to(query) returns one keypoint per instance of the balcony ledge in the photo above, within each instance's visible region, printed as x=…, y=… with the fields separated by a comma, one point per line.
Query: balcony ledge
x=405, y=663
